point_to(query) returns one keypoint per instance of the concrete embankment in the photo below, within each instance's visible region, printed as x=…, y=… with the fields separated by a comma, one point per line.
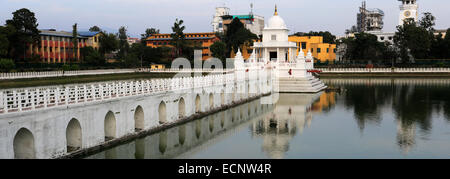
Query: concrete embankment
x=128, y=138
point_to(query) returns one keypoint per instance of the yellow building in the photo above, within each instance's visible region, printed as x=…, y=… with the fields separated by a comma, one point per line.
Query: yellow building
x=158, y=67
x=321, y=51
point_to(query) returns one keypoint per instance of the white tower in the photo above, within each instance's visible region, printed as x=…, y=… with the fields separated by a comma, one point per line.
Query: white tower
x=217, y=22
x=408, y=9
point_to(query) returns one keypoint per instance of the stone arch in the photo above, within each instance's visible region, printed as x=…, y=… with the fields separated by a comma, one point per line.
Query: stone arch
x=233, y=115
x=110, y=126
x=181, y=108
x=198, y=104
x=241, y=112
x=182, y=134
x=211, y=101
x=233, y=96
x=198, y=128
x=162, y=113
x=249, y=110
x=222, y=120
x=222, y=98
x=211, y=124
x=163, y=142
x=139, y=149
x=74, y=135
x=139, y=120
x=23, y=145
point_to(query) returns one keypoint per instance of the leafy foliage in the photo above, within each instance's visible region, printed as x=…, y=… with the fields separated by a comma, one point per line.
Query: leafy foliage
x=25, y=32
x=218, y=50
x=95, y=29
x=237, y=35
x=6, y=65
x=178, y=37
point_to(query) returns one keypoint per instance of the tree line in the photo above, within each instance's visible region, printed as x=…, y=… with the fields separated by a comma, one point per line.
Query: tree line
x=413, y=40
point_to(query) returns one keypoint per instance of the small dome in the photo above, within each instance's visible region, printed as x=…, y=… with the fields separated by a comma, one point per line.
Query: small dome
x=276, y=22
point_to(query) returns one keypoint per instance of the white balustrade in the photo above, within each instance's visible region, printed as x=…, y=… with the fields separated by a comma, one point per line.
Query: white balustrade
x=42, y=98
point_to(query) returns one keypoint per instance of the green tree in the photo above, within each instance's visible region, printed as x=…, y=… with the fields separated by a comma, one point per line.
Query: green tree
x=95, y=29
x=6, y=65
x=75, y=40
x=237, y=35
x=5, y=33
x=365, y=47
x=178, y=37
x=26, y=32
x=447, y=44
x=427, y=22
x=123, y=43
x=149, y=32
x=108, y=43
x=218, y=50
x=91, y=56
x=412, y=39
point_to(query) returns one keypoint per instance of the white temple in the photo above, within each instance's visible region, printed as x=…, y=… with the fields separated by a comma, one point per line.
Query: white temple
x=293, y=73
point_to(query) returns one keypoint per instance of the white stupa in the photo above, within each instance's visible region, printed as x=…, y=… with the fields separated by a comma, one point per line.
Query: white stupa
x=293, y=73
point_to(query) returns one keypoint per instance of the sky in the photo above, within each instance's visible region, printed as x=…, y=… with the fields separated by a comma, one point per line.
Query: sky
x=137, y=15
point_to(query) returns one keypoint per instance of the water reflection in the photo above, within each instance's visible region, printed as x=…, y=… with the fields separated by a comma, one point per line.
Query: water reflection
x=189, y=138
x=291, y=114
x=414, y=103
x=357, y=118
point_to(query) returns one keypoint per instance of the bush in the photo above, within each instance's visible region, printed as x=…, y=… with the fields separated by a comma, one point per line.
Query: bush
x=66, y=67
x=74, y=67
x=6, y=65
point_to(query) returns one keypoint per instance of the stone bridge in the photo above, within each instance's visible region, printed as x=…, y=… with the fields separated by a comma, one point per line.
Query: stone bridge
x=56, y=122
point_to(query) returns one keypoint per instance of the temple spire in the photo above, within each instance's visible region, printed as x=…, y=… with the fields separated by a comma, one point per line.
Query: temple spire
x=276, y=10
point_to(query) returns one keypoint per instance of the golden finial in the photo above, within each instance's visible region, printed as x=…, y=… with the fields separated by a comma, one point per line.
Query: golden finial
x=276, y=10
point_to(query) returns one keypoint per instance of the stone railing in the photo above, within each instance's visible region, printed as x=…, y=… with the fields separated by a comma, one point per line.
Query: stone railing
x=30, y=99
x=46, y=74
x=384, y=70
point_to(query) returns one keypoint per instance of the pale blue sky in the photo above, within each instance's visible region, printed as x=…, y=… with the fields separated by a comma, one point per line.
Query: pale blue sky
x=300, y=15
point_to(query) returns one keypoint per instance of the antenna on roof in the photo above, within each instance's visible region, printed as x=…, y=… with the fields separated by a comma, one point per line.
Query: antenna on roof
x=251, y=8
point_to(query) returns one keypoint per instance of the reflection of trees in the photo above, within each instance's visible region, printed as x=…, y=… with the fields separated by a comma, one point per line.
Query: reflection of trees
x=366, y=100
x=413, y=106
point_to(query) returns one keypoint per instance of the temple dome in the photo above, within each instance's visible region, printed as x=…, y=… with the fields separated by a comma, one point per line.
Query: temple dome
x=276, y=22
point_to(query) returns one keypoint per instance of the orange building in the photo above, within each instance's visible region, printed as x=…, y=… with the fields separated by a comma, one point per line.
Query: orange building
x=321, y=51
x=203, y=40
x=326, y=101
x=58, y=47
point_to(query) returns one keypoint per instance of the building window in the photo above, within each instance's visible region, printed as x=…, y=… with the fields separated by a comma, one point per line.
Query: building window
x=334, y=50
x=318, y=50
x=274, y=37
x=303, y=45
x=312, y=50
x=328, y=50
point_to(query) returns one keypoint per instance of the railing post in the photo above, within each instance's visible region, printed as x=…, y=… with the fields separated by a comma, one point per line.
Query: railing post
x=19, y=101
x=76, y=94
x=5, y=102
x=33, y=97
x=85, y=93
x=66, y=95
x=101, y=92
x=57, y=96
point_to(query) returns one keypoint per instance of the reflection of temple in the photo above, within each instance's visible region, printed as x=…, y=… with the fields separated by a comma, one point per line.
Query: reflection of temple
x=291, y=114
x=406, y=135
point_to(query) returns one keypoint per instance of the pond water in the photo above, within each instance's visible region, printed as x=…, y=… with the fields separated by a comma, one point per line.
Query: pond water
x=355, y=118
